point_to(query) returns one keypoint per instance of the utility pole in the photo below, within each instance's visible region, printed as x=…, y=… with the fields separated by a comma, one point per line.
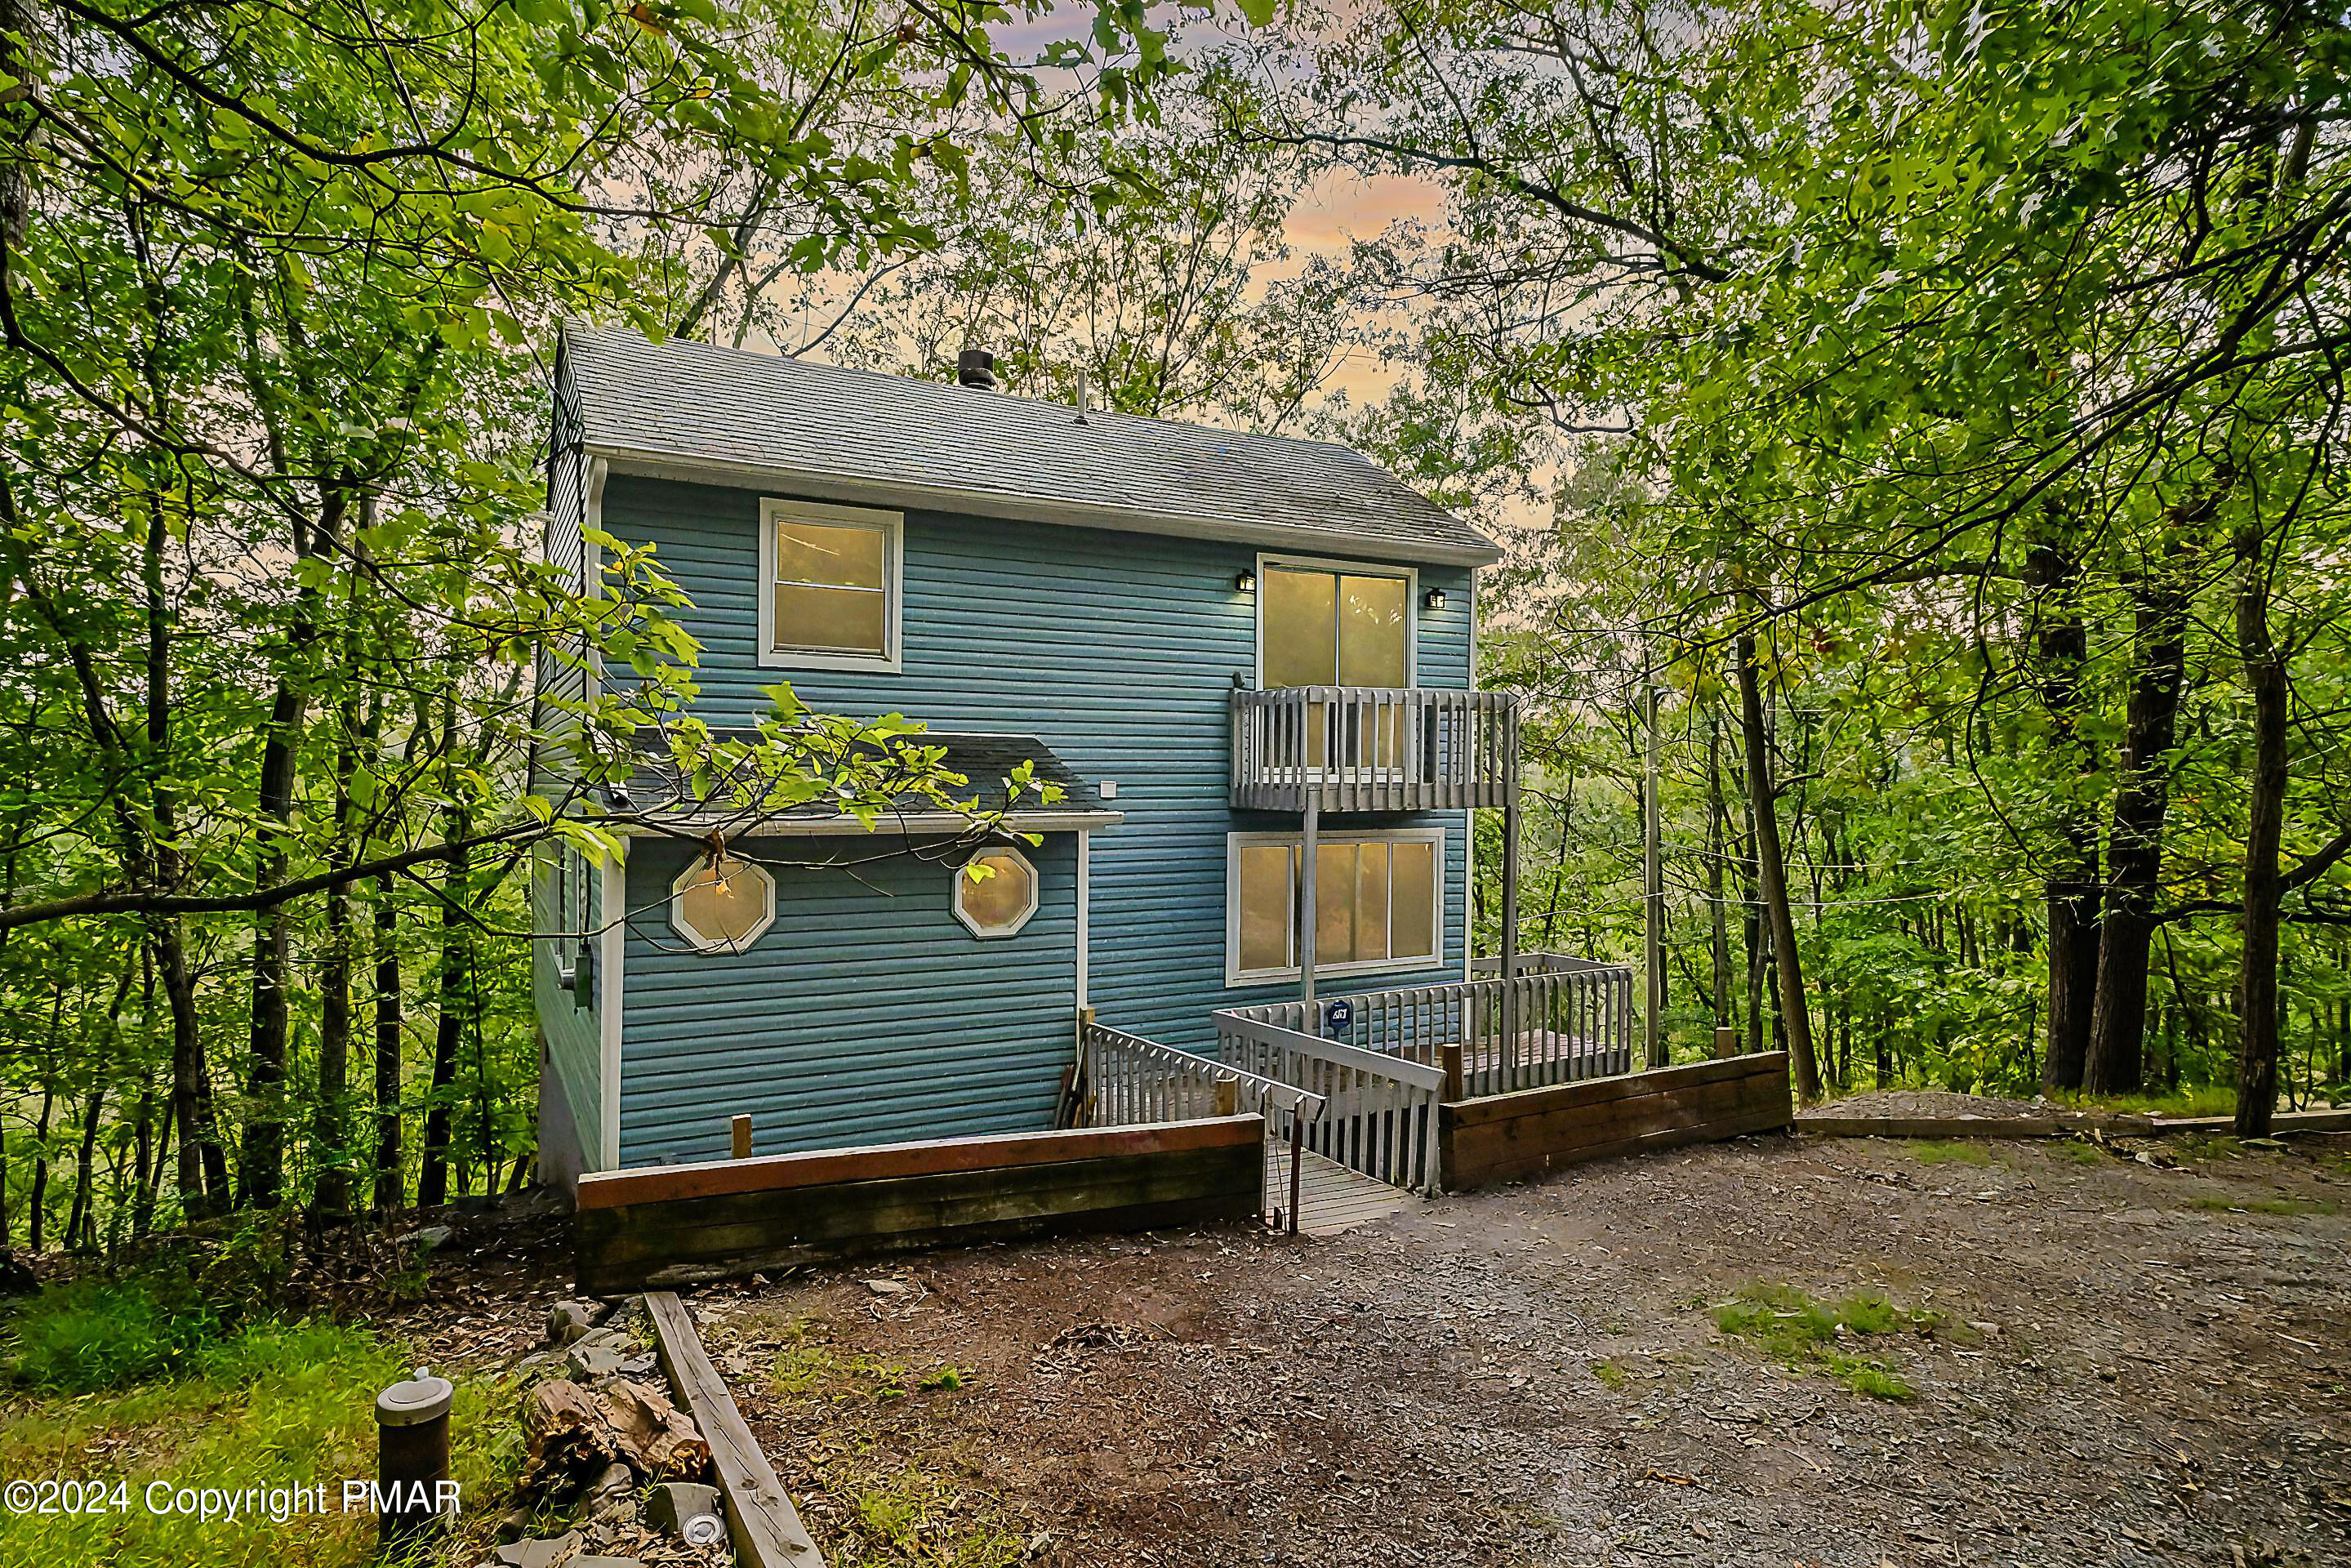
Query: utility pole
x=1653, y=881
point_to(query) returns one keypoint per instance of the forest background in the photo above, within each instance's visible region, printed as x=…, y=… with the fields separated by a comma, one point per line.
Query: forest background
x=1916, y=430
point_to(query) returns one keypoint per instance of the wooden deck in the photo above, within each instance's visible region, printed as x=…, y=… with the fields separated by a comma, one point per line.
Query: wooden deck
x=1331, y=1198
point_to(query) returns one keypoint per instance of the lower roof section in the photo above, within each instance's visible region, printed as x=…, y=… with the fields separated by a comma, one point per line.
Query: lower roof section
x=659, y=801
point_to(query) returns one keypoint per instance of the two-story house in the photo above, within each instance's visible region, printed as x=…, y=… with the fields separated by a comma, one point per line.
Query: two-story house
x=1246, y=660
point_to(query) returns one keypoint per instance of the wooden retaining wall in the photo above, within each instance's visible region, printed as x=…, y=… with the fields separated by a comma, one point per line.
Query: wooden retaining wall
x=1510, y=1137
x=674, y=1225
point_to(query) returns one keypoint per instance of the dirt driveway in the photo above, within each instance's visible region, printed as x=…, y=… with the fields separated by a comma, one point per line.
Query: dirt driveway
x=2105, y=1362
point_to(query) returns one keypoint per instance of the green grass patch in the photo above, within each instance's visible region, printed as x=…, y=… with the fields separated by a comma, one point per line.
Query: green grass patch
x=98, y=1333
x=1610, y=1373
x=2284, y=1207
x=1958, y=1152
x=918, y=1515
x=1801, y=1331
x=2195, y=1100
x=269, y=1404
x=1874, y=1378
x=2082, y=1152
x=811, y=1368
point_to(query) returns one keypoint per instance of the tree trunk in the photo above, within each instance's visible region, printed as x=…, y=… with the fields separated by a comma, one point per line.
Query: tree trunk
x=38, y=1199
x=1750, y=928
x=2072, y=889
x=2113, y=1062
x=432, y=1180
x=330, y=1125
x=262, y=1165
x=38, y=1202
x=202, y=1164
x=79, y=1218
x=1771, y=871
x=388, y=1155
x=330, y=1150
x=1717, y=846
x=2257, y=975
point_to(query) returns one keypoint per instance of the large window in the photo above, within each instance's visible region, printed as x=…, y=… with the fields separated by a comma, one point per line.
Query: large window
x=829, y=595
x=1329, y=626
x=1376, y=902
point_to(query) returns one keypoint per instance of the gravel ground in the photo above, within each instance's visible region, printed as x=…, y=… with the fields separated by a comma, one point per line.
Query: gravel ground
x=2132, y=1363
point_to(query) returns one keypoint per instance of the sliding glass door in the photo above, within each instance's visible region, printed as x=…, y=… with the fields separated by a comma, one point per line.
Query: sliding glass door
x=1335, y=628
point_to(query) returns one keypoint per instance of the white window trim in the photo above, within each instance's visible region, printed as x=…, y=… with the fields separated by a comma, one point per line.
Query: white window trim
x=679, y=924
x=1235, y=975
x=894, y=529
x=962, y=879
x=1410, y=574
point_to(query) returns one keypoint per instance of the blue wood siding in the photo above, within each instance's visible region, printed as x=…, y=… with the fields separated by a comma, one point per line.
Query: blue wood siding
x=1117, y=650
x=867, y=1013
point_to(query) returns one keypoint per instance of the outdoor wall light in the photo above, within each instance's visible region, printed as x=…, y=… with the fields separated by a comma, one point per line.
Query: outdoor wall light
x=1244, y=583
x=1433, y=599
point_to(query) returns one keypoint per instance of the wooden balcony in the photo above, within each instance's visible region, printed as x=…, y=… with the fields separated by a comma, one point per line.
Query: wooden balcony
x=1373, y=749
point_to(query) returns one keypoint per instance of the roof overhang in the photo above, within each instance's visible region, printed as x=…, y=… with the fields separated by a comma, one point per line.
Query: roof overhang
x=909, y=824
x=689, y=468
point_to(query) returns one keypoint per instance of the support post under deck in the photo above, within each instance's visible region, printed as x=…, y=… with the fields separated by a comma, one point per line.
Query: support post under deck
x=1510, y=860
x=1308, y=844
x=1510, y=895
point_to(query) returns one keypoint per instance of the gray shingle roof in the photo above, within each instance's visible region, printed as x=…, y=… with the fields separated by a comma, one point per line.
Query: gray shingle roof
x=986, y=759
x=851, y=435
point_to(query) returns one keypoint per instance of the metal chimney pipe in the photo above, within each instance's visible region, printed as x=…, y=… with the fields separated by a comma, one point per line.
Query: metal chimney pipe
x=975, y=368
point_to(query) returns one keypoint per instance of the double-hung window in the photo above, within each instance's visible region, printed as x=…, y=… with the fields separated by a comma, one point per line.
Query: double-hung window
x=828, y=593
x=1376, y=902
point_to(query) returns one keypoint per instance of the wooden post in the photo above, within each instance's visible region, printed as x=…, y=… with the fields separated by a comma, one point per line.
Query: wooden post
x=1448, y=1056
x=1510, y=1011
x=1229, y=1097
x=1510, y=859
x=1309, y=844
x=1297, y=1167
x=742, y=1126
x=1725, y=1041
x=1653, y=886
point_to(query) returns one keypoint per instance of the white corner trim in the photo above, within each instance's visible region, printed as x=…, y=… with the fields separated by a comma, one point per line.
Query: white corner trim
x=608, y=1014
x=1469, y=824
x=956, y=891
x=592, y=565
x=1085, y=907
x=893, y=577
x=1411, y=575
x=1235, y=976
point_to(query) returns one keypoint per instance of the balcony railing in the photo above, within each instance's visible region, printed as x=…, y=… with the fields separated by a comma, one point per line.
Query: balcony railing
x=1373, y=749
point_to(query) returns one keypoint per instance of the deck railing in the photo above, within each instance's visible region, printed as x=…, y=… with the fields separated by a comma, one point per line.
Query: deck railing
x=1379, y=1112
x=1373, y=749
x=1130, y=1081
x=1559, y=1020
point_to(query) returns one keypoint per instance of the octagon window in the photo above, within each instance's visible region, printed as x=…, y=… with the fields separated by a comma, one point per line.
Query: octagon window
x=995, y=892
x=723, y=904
